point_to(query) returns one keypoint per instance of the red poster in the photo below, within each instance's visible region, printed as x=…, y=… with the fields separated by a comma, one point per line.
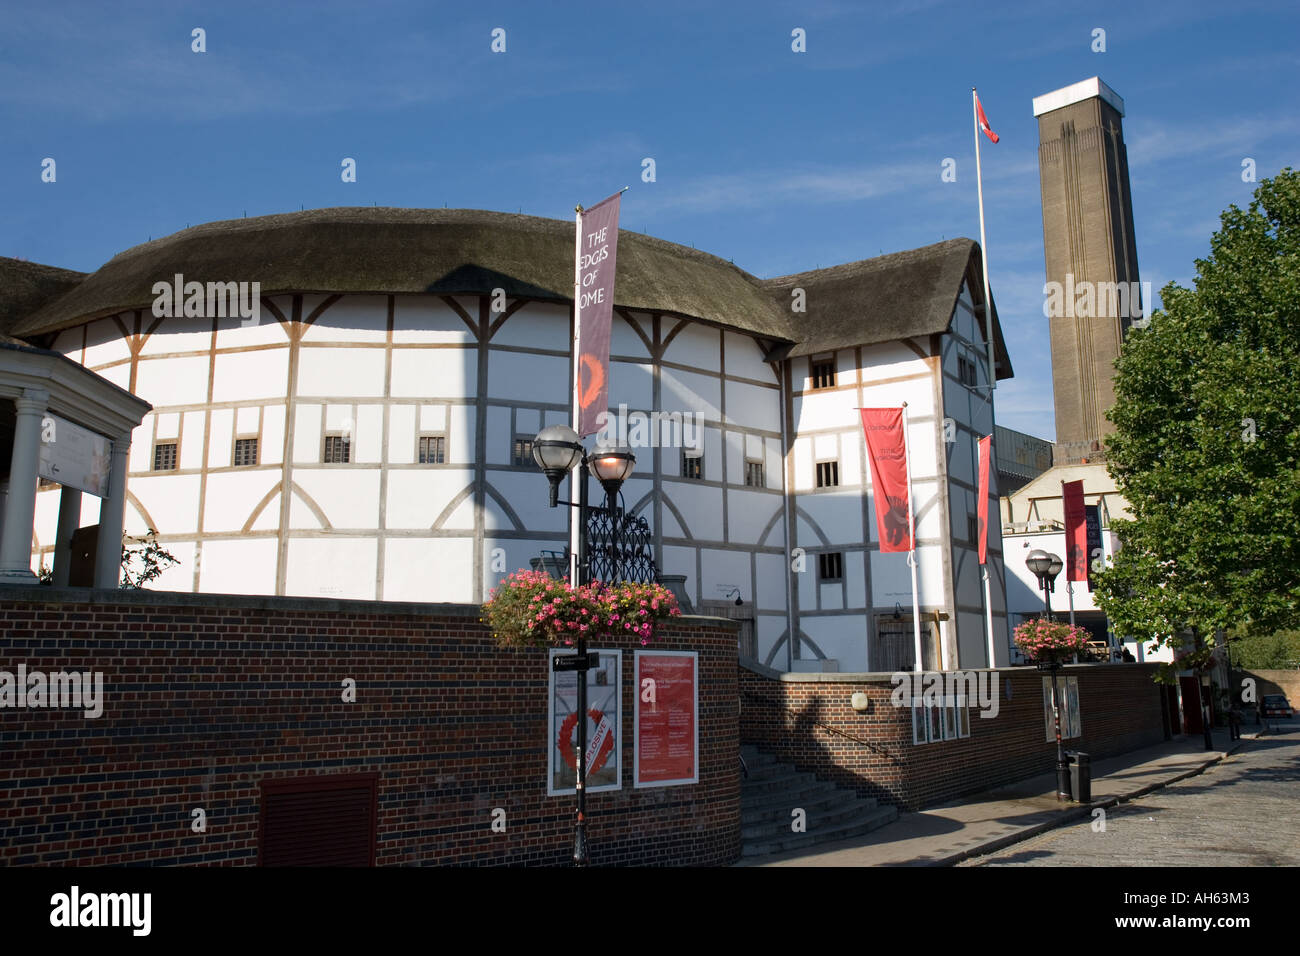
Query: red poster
x=887, y=453
x=667, y=726
x=597, y=253
x=982, y=506
x=1076, y=532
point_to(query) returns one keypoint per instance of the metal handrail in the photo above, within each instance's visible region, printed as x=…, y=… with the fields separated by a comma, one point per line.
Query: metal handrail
x=876, y=748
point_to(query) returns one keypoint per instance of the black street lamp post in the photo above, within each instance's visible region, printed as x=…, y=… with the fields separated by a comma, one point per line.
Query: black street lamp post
x=1046, y=567
x=557, y=450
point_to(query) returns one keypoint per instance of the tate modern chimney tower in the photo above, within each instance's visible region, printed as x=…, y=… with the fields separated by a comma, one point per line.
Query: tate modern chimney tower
x=1090, y=251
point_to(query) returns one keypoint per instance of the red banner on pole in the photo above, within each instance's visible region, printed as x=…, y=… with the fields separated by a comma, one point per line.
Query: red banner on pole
x=982, y=506
x=887, y=453
x=594, y=309
x=1076, y=532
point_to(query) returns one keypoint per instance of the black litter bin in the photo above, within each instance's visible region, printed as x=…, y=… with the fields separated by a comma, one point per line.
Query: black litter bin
x=1080, y=775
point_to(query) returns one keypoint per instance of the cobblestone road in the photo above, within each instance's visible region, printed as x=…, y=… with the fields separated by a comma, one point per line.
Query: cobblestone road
x=1244, y=811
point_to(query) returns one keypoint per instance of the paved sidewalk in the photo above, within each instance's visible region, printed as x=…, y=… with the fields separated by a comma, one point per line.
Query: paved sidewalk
x=982, y=822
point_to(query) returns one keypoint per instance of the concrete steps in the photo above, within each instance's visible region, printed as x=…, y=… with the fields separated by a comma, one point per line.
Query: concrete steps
x=773, y=790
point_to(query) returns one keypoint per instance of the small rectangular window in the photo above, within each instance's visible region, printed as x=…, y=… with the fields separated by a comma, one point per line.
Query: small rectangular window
x=830, y=567
x=828, y=474
x=968, y=370
x=521, y=453
x=823, y=373
x=164, y=456
x=692, y=467
x=433, y=450
x=245, y=452
x=338, y=450
x=754, y=474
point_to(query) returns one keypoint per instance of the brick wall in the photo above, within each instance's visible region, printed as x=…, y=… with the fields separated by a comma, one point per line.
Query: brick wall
x=1274, y=681
x=808, y=720
x=206, y=695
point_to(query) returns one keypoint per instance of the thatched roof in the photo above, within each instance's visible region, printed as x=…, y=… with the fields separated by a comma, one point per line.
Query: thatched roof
x=383, y=250
x=445, y=251
x=884, y=299
x=26, y=286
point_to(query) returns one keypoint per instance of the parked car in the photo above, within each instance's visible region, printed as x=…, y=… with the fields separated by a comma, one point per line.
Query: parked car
x=1275, y=705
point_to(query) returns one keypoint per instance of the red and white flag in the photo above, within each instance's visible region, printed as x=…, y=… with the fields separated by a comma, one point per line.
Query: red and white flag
x=887, y=454
x=984, y=120
x=982, y=506
x=1076, y=532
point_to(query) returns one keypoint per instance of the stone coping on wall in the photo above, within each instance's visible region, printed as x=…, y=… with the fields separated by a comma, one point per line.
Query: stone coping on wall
x=884, y=677
x=46, y=594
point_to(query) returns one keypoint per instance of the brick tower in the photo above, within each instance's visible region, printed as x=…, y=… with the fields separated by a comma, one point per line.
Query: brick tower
x=1090, y=251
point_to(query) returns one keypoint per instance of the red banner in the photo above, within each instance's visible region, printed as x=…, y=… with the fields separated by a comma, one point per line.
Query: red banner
x=982, y=506
x=594, y=309
x=667, y=729
x=1076, y=532
x=887, y=453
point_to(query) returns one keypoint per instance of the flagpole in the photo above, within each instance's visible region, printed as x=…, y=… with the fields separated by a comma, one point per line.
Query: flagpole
x=574, y=477
x=911, y=555
x=986, y=467
x=984, y=246
x=988, y=611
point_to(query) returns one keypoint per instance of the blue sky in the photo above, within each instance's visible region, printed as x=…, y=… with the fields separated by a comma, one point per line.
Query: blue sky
x=780, y=161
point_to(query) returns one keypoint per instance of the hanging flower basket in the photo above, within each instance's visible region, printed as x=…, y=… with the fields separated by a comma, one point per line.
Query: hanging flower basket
x=533, y=609
x=1044, y=641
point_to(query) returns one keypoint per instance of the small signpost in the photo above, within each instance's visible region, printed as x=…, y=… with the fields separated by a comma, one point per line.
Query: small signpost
x=575, y=662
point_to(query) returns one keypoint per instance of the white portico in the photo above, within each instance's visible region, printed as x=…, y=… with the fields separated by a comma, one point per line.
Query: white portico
x=49, y=391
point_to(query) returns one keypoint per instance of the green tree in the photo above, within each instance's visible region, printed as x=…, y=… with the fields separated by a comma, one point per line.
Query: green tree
x=1206, y=447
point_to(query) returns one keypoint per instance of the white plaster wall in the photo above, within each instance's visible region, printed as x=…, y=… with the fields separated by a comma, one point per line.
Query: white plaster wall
x=177, y=334
x=696, y=345
x=245, y=376
x=419, y=319
x=428, y=569
x=339, y=372
x=176, y=381
x=353, y=318
x=840, y=637
x=537, y=325
x=745, y=359
x=332, y=567
x=232, y=497
x=416, y=497
x=237, y=566
x=349, y=497
x=528, y=378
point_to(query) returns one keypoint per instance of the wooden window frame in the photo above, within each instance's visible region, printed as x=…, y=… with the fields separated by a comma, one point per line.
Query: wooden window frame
x=826, y=558
x=698, y=467
x=813, y=378
x=234, y=451
x=347, y=448
x=419, y=441
x=176, y=452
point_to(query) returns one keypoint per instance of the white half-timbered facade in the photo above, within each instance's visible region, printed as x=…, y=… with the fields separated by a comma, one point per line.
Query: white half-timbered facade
x=366, y=434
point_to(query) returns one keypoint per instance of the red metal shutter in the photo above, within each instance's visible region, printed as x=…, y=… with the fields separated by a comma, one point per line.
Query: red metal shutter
x=318, y=821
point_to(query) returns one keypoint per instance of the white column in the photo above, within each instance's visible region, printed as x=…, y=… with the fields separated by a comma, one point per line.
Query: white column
x=69, y=522
x=20, y=505
x=108, y=555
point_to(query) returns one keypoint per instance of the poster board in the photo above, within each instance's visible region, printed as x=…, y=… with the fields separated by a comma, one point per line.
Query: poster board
x=604, y=733
x=667, y=723
x=73, y=456
x=1071, y=725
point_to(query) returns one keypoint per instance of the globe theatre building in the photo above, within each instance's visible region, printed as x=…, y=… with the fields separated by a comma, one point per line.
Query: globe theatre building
x=364, y=433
